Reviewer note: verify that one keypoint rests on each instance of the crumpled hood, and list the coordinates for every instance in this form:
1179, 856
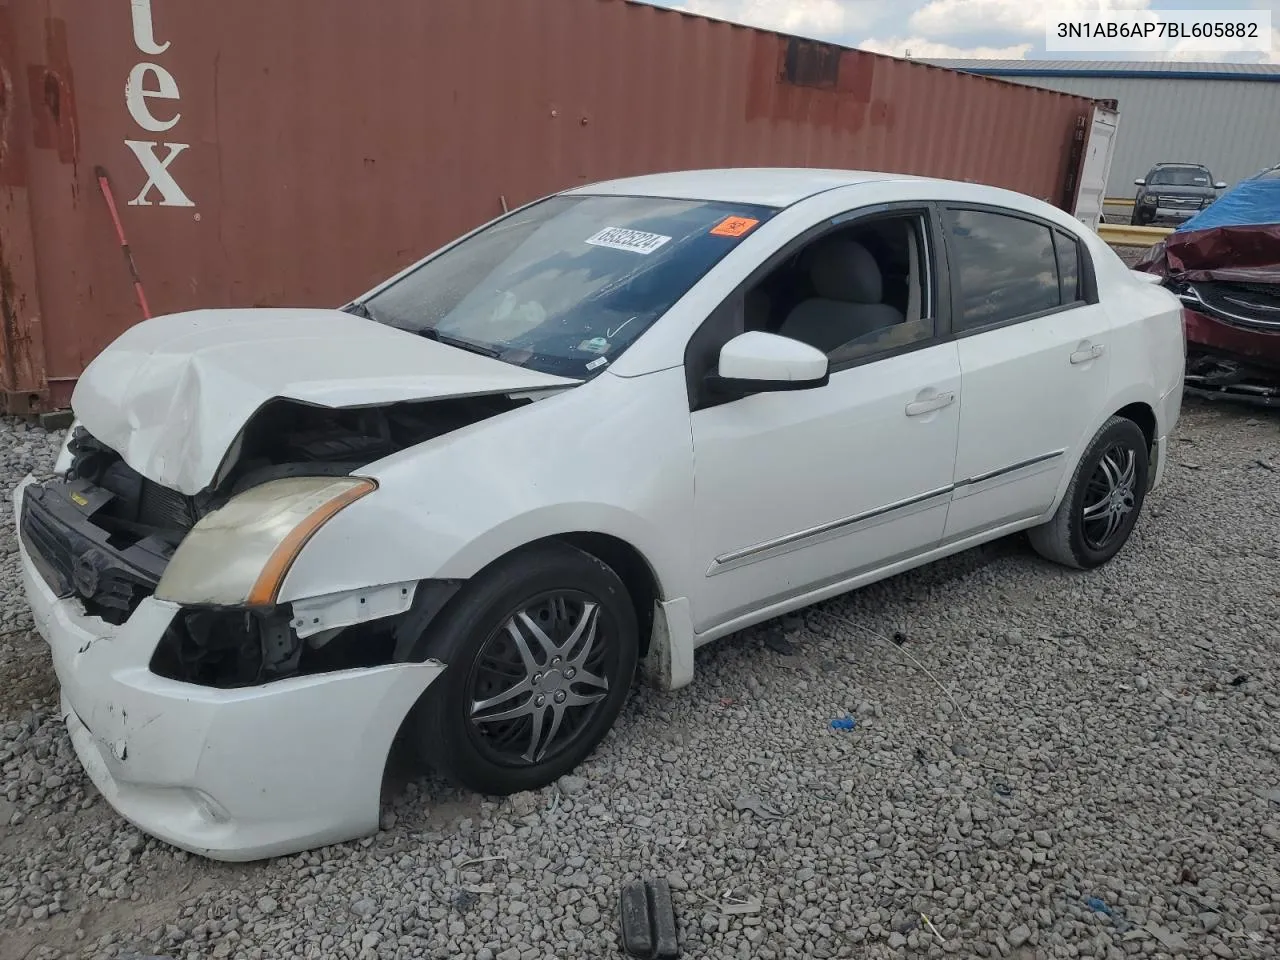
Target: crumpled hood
171, 394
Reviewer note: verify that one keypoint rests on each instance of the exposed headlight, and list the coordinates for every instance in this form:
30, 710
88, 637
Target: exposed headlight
1149, 200
240, 553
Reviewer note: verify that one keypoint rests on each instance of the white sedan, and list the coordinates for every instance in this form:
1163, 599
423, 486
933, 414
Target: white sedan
591, 436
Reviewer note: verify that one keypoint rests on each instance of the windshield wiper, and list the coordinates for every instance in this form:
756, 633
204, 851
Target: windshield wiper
431, 333
360, 309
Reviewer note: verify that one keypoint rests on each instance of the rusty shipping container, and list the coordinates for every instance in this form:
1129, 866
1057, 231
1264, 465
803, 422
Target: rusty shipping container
294, 152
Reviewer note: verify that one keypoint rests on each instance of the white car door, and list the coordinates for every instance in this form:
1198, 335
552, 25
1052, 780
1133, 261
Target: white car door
1034, 361
801, 489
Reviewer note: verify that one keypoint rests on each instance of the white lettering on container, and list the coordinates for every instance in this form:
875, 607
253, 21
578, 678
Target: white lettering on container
158, 174
136, 95
147, 82
144, 31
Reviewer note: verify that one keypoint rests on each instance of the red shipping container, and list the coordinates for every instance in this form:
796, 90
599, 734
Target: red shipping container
295, 152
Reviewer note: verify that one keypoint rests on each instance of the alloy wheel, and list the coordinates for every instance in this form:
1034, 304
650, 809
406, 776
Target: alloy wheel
1109, 496
540, 678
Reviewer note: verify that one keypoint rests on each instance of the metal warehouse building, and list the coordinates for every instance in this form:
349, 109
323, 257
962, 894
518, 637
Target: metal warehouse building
1224, 115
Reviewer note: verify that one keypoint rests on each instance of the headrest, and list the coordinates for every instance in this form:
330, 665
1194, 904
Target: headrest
846, 270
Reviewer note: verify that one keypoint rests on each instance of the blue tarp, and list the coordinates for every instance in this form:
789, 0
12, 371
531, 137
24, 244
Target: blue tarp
1248, 203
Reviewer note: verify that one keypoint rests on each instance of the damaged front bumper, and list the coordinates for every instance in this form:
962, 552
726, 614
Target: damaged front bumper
231, 774
1232, 354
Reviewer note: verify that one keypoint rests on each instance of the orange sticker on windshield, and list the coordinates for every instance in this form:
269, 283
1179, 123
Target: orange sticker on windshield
733, 227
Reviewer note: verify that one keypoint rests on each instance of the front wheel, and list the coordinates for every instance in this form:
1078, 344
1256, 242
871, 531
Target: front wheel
541, 650
1102, 504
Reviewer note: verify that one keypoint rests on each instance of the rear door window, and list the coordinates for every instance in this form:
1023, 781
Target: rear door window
1005, 268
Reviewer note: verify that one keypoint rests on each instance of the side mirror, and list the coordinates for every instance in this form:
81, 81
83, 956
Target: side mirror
1140, 182
759, 362
1219, 185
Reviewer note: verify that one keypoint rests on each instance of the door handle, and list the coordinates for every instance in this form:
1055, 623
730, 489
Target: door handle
918, 408
1084, 356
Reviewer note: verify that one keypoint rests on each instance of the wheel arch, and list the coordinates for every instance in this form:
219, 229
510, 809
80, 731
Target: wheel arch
663, 622
1135, 407
1144, 415
631, 565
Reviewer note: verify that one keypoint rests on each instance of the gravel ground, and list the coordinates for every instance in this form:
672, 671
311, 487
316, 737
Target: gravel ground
1102, 779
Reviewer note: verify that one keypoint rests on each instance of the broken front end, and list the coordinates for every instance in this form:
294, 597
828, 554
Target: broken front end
205, 709
108, 537
1233, 340
1224, 264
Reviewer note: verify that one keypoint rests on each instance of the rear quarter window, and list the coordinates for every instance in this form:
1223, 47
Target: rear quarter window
1068, 253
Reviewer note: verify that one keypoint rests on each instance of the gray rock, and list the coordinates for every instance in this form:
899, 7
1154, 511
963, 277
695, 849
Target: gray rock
1001, 838
523, 804
1170, 939
571, 785
1019, 935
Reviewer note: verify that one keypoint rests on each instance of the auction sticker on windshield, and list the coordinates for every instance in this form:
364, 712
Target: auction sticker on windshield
634, 241
733, 227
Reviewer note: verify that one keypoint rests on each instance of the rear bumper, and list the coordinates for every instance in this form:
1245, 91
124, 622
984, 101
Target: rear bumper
229, 774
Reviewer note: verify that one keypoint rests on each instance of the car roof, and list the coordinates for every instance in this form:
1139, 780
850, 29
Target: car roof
1180, 163
766, 186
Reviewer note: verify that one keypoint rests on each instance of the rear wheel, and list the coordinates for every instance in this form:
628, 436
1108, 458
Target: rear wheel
1103, 502
541, 650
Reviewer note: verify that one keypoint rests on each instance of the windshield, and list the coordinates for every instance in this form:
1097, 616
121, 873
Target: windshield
1179, 176
566, 285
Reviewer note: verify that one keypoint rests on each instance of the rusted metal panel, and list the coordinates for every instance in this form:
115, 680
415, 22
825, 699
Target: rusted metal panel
296, 152
22, 370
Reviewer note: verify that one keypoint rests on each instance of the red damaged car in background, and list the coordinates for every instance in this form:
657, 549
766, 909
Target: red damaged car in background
1224, 263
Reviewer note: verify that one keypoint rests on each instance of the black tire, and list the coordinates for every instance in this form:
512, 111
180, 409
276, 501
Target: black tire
472, 636
1073, 540
1136, 220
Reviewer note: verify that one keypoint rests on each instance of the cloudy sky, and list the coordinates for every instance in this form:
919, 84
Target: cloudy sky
955, 28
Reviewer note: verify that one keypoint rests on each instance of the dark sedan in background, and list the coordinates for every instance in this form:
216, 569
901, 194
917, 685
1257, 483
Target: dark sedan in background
1173, 192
